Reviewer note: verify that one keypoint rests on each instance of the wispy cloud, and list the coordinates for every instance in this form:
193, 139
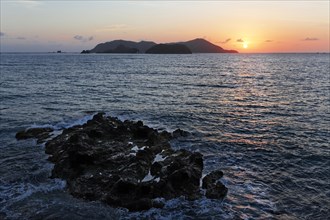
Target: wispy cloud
20, 38
268, 41
310, 39
240, 40
2, 34
83, 39
226, 41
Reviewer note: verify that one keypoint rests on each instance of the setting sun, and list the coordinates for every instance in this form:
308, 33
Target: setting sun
245, 45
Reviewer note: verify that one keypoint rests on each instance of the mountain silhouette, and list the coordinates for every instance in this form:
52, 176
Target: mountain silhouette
169, 49
200, 45
116, 46
197, 45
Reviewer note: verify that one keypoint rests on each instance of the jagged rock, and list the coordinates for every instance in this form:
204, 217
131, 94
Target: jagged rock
180, 133
218, 191
211, 178
39, 133
126, 164
214, 188
85, 51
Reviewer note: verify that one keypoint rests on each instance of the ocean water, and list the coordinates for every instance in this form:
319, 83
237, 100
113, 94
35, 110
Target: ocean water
261, 118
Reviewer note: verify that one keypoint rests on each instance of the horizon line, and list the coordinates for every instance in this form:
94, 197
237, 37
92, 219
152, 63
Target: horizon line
172, 54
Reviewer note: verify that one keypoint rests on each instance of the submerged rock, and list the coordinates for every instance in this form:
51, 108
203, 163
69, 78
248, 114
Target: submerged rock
126, 164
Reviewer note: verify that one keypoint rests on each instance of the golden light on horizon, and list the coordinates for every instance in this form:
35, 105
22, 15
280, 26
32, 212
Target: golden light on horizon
245, 45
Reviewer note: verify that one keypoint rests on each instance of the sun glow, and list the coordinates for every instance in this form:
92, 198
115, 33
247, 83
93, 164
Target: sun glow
245, 45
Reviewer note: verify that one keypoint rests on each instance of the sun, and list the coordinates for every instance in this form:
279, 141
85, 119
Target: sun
245, 45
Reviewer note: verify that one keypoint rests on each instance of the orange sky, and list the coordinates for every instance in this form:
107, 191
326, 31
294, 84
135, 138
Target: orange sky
272, 26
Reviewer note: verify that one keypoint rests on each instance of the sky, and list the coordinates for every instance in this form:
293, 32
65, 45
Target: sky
246, 26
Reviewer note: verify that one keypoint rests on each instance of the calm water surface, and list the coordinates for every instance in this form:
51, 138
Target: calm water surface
263, 119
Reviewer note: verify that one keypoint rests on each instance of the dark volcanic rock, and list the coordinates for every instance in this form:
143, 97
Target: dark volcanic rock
39, 133
180, 133
169, 49
214, 188
127, 164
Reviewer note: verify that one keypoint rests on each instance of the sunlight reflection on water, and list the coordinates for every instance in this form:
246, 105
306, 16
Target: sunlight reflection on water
261, 118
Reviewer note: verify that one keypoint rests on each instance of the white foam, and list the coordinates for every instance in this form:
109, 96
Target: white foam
135, 148
24, 190
80, 121
62, 125
42, 126
148, 177
159, 158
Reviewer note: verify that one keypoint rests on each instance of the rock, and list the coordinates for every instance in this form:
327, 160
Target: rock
39, 133
214, 188
180, 133
211, 178
218, 191
126, 164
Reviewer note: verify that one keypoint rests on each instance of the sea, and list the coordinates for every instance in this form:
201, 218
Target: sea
263, 119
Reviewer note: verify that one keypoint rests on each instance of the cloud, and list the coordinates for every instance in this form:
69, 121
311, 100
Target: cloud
2, 34
310, 39
268, 41
20, 38
78, 37
83, 39
226, 41
240, 40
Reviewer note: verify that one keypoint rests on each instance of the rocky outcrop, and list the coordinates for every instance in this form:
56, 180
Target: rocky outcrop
169, 49
39, 133
128, 164
214, 188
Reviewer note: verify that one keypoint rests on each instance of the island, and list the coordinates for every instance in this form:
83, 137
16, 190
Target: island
198, 45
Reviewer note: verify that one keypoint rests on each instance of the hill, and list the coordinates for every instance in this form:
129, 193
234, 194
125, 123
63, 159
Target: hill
200, 45
169, 49
117, 45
